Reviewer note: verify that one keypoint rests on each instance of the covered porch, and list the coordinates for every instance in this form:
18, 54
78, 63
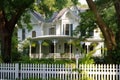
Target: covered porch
53, 46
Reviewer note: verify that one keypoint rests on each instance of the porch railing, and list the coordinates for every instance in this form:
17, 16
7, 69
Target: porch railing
55, 55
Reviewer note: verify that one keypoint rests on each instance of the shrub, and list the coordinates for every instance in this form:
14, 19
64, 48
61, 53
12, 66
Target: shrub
26, 59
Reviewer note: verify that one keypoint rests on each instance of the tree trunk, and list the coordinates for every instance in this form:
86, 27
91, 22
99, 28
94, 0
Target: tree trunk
6, 36
6, 45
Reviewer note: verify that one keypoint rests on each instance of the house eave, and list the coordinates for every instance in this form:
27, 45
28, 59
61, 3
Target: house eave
94, 40
52, 37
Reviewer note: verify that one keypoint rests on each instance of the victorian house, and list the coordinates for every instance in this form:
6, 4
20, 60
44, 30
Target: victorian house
53, 38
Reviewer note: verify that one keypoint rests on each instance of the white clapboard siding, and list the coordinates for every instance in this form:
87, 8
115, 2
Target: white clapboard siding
60, 71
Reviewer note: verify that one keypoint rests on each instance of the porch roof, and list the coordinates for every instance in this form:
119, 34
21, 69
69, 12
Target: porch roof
94, 40
52, 37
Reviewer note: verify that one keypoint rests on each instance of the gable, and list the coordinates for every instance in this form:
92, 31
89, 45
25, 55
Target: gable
69, 15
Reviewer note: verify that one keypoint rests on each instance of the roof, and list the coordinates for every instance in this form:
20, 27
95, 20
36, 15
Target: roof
55, 16
38, 16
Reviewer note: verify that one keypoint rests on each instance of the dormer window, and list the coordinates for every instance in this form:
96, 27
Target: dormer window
33, 33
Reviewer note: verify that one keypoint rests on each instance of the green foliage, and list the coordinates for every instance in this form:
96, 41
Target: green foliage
12, 6
26, 59
47, 7
87, 59
26, 19
103, 4
114, 54
45, 43
1, 61
15, 54
99, 60
87, 24
109, 18
26, 42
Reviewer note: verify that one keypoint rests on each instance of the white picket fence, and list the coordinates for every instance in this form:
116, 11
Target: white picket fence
59, 71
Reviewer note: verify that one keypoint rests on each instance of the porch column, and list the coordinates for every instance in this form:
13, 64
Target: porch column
54, 41
70, 50
30, 50
81, 43
70, 46
87, 44
40, 41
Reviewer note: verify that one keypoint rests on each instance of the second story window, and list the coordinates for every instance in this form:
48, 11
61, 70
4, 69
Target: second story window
52, 31
33, 33
23, 34
68, 29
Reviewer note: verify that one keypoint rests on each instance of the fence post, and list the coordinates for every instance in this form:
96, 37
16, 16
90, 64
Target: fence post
77, 58
16, 71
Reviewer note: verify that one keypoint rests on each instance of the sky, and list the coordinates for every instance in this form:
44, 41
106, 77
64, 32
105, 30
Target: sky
83, 1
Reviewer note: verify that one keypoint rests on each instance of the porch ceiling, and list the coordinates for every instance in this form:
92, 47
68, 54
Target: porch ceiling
52, 37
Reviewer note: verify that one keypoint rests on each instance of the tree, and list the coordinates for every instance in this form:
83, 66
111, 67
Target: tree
110, 38
10, 13
107, 32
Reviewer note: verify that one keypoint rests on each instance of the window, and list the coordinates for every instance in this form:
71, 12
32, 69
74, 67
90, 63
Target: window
23, 34
52, 31
33, 34
91, 33
68, 29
